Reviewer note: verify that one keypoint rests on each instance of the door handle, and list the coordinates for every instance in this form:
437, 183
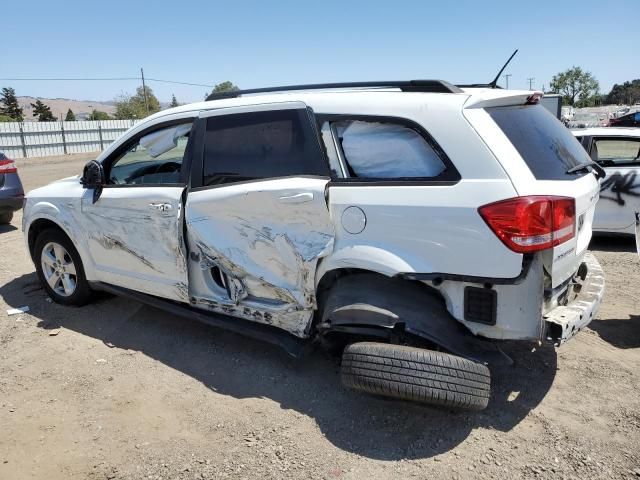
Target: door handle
163, 207
297, 198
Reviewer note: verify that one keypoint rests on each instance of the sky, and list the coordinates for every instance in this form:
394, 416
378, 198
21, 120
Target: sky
257, 44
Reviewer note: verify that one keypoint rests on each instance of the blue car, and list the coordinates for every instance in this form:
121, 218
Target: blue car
11, 192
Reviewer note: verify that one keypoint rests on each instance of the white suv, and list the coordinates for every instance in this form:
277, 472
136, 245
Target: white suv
407, 225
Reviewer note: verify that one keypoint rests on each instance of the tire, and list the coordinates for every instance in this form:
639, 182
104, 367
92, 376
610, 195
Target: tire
416, 374
5, 218
69, 269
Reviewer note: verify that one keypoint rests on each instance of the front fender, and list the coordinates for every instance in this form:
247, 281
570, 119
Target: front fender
63, 218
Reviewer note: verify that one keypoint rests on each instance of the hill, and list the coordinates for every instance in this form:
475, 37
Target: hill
59, 106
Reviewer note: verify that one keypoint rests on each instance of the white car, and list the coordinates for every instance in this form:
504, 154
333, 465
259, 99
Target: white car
409, 225
617, 150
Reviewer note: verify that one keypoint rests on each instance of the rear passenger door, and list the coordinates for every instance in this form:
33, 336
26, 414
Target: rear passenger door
620, 190
257, 217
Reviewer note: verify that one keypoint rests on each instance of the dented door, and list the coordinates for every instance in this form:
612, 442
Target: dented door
254, 249
134, 236
257, 218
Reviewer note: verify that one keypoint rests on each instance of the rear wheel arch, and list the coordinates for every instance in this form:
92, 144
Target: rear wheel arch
349, 299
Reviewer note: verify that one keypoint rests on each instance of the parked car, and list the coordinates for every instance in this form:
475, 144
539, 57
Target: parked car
409, 225
586, 120
11, 192
629, 120
617, 150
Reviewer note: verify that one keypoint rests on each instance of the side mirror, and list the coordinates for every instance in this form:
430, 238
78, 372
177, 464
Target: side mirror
93, 177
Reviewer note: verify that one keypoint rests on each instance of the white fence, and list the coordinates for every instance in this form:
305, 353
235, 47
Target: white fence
41, 139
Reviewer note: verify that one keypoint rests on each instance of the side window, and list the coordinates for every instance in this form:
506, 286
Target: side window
616, 151
386, 150
155, 158
256, 145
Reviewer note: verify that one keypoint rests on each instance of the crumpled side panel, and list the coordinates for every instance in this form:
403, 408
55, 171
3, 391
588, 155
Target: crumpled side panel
267, 248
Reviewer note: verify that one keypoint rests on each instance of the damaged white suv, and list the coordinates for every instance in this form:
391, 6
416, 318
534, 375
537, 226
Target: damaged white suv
408, 225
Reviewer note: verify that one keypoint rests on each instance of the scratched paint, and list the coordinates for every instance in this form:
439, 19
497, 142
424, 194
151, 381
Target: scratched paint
266, 247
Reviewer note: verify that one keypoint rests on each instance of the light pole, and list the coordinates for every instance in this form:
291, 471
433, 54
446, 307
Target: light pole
530, 80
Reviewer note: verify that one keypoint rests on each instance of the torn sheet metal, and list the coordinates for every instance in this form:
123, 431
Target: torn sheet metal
266, 237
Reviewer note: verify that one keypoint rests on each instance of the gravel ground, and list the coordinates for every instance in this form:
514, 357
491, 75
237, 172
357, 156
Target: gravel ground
121, 390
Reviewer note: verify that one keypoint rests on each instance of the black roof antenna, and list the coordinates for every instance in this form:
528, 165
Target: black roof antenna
494, 83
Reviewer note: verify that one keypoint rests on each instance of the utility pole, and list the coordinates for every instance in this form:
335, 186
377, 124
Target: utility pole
530, 80
144, 91
507, 79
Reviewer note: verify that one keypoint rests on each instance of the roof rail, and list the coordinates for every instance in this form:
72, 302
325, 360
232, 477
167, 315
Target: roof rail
433, 86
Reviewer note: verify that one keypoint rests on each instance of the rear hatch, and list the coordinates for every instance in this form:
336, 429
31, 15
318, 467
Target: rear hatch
541, 153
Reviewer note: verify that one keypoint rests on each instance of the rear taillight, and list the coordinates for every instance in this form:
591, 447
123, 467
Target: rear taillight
8, 166
534, 98
533, 223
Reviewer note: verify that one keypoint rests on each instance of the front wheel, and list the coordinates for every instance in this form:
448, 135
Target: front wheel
60, 270
416, 374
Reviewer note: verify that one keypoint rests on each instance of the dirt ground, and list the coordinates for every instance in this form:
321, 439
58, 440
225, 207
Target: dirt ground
118, 390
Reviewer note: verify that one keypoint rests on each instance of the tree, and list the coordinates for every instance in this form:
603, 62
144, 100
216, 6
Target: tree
627, 93
6, 118
226, 86
43, 112
71, 117
174, 102
98, 115
10, 107
574, 85
128, 106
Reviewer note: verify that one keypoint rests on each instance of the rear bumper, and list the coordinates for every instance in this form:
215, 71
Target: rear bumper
11, 204
563, 322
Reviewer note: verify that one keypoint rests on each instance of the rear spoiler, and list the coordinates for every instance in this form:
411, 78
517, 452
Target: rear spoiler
489, 97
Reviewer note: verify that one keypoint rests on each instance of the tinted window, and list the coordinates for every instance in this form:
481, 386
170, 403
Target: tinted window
547, 146
616, 151
249, 146
386, 150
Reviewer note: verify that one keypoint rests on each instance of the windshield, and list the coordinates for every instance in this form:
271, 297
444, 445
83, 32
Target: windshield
545, 144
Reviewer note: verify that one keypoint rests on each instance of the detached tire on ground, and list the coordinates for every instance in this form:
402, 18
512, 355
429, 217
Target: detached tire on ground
416, 374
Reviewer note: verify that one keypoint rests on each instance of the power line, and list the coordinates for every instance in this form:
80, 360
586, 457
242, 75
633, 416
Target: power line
67, 79
180, 83
531, 80
112, 79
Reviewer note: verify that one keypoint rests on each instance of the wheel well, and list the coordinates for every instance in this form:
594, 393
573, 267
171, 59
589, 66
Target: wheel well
389, 309
36, 228
329, 279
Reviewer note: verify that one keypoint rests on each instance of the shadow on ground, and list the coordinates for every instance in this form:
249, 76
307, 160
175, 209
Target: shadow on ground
613, 243
619, 333
362, 424
7, 227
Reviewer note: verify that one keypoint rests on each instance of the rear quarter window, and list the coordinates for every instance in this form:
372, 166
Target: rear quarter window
545, 144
